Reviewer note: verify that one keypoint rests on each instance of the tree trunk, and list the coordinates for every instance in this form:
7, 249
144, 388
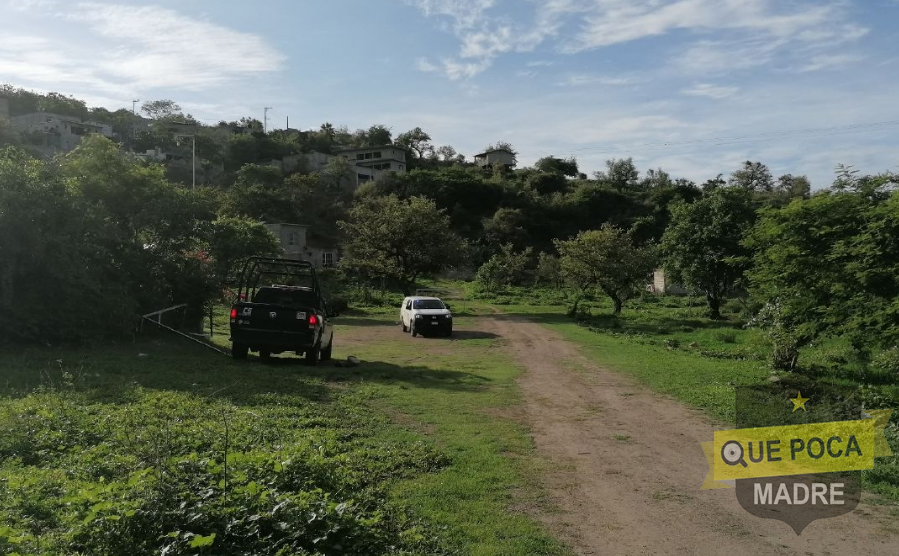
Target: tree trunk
714, 306
618, 303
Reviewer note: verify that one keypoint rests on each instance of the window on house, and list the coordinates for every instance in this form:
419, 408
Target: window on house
377, 155
360, 156
327, 258
401, 166
291, 238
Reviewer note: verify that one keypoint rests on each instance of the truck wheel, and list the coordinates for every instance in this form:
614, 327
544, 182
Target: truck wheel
449, 332
326, 353
313, 355
265, 355
412, 328
239, 351
405, 328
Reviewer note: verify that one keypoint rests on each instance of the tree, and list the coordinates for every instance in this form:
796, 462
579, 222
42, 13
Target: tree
702, 247
505, 268
830, 263
392, 238
233, 240
417, 141
607, 259
379, 135
656, 179
549, 270
552, 165
160, 109
338, 169
715, 183
793, 187
753, 176
620, 174
447, 153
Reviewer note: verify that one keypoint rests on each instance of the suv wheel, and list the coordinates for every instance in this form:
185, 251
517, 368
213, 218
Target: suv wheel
326, 353
414, 331
405, 328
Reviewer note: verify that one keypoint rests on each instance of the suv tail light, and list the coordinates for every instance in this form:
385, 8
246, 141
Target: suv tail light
313, 320
233, 313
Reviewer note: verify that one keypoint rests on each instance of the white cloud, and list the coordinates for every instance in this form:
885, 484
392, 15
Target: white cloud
710, 91
577, 80
546, 63
830, 61
120, 50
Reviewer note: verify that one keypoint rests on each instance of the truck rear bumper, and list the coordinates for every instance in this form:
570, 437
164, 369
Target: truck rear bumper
273, 340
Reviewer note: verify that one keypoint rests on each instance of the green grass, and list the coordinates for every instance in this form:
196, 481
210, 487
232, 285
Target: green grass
140, 447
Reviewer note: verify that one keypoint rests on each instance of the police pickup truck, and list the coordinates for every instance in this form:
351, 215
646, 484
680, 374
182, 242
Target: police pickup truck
281, 317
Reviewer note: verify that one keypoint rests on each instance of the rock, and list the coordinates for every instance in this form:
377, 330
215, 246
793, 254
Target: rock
352, 361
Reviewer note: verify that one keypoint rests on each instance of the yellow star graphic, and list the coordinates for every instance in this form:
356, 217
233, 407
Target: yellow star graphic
799, 401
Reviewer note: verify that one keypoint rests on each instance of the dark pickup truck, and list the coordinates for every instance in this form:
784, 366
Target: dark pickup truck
280, 318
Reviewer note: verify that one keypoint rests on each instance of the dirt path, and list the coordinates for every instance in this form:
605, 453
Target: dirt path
628, 466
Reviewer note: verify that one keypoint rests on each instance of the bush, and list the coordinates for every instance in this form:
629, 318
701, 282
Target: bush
726, 336
888, 361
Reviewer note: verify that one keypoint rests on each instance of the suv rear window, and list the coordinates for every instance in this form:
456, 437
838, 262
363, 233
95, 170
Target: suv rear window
427, 304
285, 297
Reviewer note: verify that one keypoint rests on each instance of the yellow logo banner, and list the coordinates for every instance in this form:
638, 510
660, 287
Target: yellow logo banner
796, 449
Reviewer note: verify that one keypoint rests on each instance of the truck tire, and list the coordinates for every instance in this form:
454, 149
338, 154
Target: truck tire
326, 353
239, 351
449, 332
313, 355
414, 331
405, 328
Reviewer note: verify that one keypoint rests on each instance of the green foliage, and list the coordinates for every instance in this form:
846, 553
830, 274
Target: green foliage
553, 165
607, 259
832, 263
702, 247
402, 240
888, 361
620, 174
506, 268
753, 176
234, 239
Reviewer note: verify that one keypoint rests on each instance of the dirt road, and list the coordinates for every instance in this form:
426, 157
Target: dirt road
628, 466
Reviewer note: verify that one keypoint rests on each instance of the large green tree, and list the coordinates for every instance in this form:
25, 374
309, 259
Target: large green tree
702, 247
387, 237
607, 259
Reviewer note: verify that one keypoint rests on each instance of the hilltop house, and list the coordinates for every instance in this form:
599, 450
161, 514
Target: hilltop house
372, 162
496, 156
56, 133
295, 245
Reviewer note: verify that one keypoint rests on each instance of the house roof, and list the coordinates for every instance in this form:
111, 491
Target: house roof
366, 163
485, 153
285, 224
354, 149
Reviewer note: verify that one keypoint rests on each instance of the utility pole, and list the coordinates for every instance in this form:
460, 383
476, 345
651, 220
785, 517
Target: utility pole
133, 104
265, 119
194, 157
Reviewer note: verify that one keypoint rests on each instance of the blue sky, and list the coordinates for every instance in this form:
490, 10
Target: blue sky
692, 86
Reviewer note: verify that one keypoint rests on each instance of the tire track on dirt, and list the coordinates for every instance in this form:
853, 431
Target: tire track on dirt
627, 466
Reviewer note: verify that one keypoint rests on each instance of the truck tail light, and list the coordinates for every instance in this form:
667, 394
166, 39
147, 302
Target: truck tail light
233, 313
313, 320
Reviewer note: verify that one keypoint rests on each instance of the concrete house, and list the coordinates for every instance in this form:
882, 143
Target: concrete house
295, 245
660, 284
57, 133
372, 162
491, 157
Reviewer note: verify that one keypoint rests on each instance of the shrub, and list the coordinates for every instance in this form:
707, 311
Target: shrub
888, 361
726, 336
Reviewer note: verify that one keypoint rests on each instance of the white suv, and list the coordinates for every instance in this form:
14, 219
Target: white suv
426, 315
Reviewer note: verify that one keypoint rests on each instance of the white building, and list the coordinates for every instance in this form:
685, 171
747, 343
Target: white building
372, 162
496, 156
295, 245
57, 133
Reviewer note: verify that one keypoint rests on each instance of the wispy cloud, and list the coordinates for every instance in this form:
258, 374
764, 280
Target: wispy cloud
710, 91
830, 61
733, 34
580, 79
123, 48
